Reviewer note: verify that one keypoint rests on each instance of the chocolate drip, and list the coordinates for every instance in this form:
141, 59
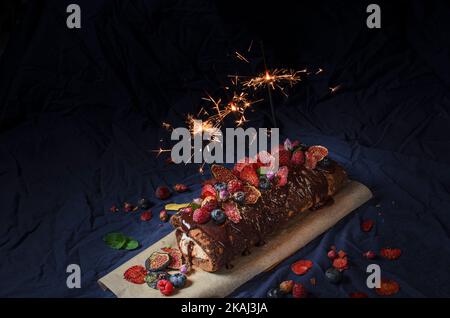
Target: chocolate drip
305, 189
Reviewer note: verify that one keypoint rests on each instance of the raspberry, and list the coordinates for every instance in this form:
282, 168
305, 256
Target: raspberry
146, 216
282, 176
299, 291
162, 193
249, 175
391, 253
208, 190
367, 225
298, 157
234, 185
201, 215
165, 287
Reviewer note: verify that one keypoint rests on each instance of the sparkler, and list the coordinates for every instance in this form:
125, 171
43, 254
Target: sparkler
276, 79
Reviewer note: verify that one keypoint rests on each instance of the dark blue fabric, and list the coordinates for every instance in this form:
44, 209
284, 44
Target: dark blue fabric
81, 112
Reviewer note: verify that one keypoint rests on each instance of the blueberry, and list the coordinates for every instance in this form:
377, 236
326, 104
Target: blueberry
144, 204
239, 197
178, 280
264, 183
218, 216
220, 186
274, 293
333, 275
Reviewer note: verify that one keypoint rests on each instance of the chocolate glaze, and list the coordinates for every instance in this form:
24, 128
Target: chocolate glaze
305, 189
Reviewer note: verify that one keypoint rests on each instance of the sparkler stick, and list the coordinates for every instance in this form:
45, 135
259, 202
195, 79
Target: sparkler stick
272, 109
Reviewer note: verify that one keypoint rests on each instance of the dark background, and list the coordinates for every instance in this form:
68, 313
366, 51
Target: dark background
81, 112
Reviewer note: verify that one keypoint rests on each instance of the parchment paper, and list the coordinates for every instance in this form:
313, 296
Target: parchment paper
285, 242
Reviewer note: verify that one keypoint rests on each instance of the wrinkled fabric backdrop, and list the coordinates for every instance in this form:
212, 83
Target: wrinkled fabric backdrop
81, 112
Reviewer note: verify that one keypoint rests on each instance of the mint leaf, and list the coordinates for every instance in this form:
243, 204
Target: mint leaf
115, 240
131, 244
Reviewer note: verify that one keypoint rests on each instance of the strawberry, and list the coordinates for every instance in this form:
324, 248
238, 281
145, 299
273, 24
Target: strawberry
201, 216
208, 190
234, 185
282, 176
162, 193
249, 175
298, 157
231, 210
314, 154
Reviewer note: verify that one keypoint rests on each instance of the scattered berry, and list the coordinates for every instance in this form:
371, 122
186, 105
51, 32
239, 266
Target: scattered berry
144, 204
370, 255
128, 207
114, 208
218, 216
165, 287
340, 263
201, 215
238, 197
286, 286
388, 287
301, 267
333, 275
163, 193
178, 280
274, 293
298, 157
135, 274
234, 186
299, 291
208, 191
332, 254
179, 187
391, 253
146, 216
221, 186
367, 225
163, 216
264, 183
209, 203
282, 176
249, 175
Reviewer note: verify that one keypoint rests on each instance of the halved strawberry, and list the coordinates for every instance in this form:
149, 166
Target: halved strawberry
301, 267
388, 287
282, 176
249, 175
231, 211
208, 190
314, 154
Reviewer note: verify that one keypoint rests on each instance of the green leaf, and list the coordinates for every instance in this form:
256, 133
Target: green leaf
115, 240
194, 206
131, 244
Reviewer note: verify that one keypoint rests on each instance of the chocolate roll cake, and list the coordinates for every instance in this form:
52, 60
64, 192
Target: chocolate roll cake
239, 211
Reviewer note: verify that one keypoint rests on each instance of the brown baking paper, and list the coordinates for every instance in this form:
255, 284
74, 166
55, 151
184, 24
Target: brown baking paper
282, 244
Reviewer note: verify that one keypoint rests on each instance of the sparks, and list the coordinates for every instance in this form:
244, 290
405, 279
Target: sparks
335, 88
278, 78
160, 151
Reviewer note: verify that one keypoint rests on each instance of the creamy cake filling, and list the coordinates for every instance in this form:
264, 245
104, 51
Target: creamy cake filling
197, 251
